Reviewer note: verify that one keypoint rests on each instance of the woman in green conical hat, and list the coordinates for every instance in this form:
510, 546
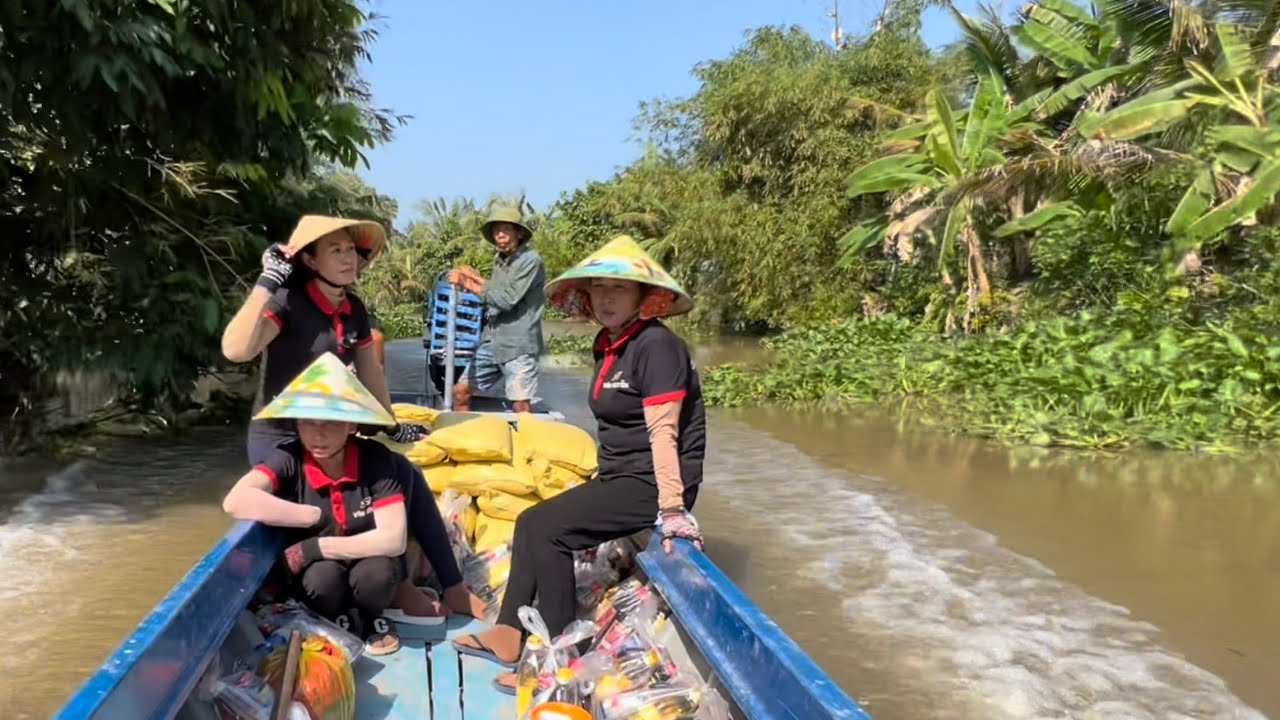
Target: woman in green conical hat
344, 500
651, 423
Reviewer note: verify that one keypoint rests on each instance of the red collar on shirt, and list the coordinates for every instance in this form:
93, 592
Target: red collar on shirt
604, 345
316, 476
610, 350
322, 302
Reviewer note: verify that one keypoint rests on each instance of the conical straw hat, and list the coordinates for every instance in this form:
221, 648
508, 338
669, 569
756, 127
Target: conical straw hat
367, 235
327, 390
622, 259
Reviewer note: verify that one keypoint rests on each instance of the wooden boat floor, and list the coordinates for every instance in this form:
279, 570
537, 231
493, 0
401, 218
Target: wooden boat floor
395, 686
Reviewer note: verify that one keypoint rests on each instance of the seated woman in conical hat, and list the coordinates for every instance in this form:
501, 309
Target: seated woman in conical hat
301, 307
651, 422
341, 498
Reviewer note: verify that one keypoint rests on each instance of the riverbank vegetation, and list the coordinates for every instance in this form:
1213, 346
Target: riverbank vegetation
1059, 230
148, 151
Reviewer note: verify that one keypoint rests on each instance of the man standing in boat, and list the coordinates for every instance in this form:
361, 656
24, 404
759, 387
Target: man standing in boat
513, 300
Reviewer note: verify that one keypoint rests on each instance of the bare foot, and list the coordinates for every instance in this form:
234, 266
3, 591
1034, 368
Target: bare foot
418, 602
464, 602
506, 679
503, 640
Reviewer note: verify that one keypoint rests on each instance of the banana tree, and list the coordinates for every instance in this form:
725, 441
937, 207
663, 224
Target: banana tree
930, 163
1238, 166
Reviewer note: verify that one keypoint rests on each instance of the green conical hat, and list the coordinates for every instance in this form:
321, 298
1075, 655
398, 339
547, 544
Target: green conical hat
327, 390
507, 215
623, 259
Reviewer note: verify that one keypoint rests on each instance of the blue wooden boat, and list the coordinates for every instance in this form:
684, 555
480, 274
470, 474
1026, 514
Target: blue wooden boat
204, 622
154, 673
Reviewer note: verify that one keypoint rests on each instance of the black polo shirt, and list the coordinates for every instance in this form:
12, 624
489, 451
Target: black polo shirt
647, 365
310, 326
369, 480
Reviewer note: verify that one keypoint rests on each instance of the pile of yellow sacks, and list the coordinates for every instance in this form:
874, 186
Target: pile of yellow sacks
503, 470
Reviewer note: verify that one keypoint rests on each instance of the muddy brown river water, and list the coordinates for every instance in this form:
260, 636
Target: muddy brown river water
931, 576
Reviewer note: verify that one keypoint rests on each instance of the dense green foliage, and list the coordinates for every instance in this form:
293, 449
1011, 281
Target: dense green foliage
1057, 231
148, 150
1053, 232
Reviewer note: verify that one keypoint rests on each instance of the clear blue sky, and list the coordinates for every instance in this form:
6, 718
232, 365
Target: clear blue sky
540, 96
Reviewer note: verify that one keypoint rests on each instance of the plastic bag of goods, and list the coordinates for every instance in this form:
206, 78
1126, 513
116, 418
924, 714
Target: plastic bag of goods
283, 618
485, 574
673, 700
476, 478
631, 671
561, 444
492, 532
416, 414
593, 575
545, 672
243, 696
326, 686
505, 506
484, 438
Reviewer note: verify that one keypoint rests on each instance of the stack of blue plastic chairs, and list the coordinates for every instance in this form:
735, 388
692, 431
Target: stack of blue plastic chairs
467, 326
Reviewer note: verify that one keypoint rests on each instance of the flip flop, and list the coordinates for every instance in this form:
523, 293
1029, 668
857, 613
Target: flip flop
481, 651
378, 635
504, 688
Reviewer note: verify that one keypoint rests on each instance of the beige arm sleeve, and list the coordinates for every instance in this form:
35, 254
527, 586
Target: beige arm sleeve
663, 422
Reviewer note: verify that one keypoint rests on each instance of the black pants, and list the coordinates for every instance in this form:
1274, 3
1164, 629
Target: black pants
425, 524
548, 533
330, 587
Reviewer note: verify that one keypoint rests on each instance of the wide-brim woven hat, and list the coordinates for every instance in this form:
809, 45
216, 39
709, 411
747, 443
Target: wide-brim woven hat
369, 236
327, 390
621, 259
507, 215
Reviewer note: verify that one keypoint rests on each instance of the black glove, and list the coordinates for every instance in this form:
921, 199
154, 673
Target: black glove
275, 268
406, 432
299, 556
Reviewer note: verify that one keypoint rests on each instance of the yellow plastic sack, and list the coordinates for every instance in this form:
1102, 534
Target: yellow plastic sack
505, 506
552, 479
492, 532
417, 414
474, 478
482, 438
421, 453
439, 477
469, 517
562, 444
424, 454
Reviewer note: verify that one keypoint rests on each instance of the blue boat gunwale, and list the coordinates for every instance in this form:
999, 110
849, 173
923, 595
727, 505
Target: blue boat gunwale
729, 629
161, 629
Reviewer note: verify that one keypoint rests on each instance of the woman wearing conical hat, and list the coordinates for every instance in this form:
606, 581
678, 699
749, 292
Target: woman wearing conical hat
300, 308
651, 423
340, 497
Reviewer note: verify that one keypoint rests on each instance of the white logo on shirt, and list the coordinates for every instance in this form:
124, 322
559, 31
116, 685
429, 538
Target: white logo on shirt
366, 507
616, 382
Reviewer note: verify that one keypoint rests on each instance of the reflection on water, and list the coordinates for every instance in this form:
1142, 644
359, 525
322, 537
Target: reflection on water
933, 577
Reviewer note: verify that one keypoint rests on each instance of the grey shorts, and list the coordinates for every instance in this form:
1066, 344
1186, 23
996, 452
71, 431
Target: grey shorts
520, 374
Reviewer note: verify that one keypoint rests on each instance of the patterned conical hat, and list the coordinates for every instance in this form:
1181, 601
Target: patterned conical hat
622, 259
327, 390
